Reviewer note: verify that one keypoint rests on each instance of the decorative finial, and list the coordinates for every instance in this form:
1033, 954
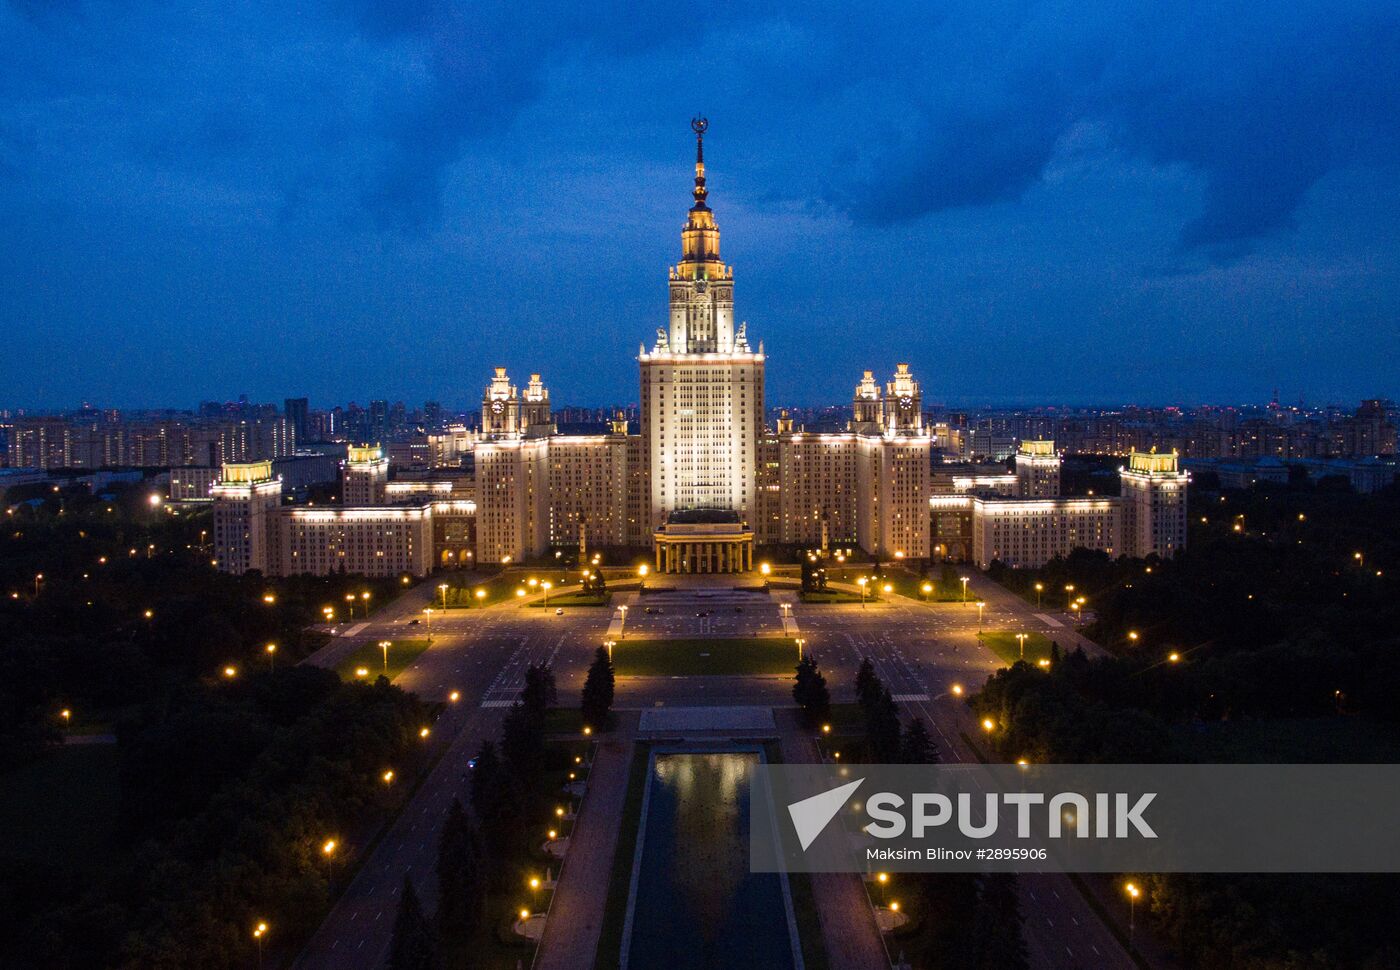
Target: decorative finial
699, 124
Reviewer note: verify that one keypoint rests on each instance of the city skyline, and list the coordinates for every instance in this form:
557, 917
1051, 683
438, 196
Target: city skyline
1092, 240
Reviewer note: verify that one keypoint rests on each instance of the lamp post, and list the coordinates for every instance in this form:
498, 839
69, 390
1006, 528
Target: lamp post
328, 851
384, 645
1039, 588
980, 605
364, 598
862, 583
801, 642
428, 612
271, 650
258, 932
963, 580
1133, 893
622, 624
1021, 639
442, 588
546, 586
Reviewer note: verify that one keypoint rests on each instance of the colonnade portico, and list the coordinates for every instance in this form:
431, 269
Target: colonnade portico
704, 555
704, 541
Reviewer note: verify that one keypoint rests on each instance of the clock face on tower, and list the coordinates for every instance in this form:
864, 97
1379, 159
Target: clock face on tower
905, 403
498, 406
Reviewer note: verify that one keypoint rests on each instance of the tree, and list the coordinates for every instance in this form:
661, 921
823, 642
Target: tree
460, 889
882, 727
598, 690
412, 946
916, 747
997, 943
522, 740
810, 693
867, 683
539, 693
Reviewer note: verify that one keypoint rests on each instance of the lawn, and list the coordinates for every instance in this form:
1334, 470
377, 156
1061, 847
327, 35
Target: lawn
62, 808
575, 597
834, 596
370, 657
687, 658
1003, 643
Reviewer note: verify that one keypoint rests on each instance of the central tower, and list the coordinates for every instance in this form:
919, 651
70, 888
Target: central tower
702, 387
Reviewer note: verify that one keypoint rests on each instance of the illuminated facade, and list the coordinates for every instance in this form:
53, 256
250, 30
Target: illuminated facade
1026, 533
1037, 470
701, 383
247, 500
364, 477
1037, 524
704, 481
1154, 505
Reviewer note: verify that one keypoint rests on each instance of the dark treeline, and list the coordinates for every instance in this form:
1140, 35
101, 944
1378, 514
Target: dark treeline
228, 786
129, 609
1284, 606
960, 919
228, 797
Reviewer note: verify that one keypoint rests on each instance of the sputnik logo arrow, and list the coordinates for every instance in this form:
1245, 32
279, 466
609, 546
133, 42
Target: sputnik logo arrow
811, 815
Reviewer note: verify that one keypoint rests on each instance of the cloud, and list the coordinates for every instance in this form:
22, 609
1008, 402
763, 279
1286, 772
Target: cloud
1260, 101
926, 108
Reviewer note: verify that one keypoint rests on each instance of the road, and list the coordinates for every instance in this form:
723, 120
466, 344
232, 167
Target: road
920, 650
483, 655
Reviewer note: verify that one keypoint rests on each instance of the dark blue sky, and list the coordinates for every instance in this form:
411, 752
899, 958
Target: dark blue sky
1060, 202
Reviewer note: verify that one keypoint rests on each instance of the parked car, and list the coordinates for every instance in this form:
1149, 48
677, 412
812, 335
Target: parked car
559, 611
414, 622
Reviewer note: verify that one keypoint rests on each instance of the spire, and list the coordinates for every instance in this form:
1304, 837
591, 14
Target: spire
700, 237
699, 124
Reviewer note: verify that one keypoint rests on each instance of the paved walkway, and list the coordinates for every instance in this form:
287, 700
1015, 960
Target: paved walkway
849, 932
576, 915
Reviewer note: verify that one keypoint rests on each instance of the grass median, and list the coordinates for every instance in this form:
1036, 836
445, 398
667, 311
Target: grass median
701, 657
1004, 644
369, 657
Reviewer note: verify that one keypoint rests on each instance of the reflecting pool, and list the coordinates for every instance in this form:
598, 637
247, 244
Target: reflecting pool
695, 904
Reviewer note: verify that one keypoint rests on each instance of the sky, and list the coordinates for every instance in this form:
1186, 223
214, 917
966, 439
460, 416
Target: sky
1074, 202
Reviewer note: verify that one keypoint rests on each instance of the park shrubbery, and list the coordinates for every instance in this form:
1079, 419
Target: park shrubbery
227, 798
1284, 606
228, 785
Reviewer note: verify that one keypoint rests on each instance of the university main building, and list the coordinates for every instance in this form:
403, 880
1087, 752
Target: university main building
703, 482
